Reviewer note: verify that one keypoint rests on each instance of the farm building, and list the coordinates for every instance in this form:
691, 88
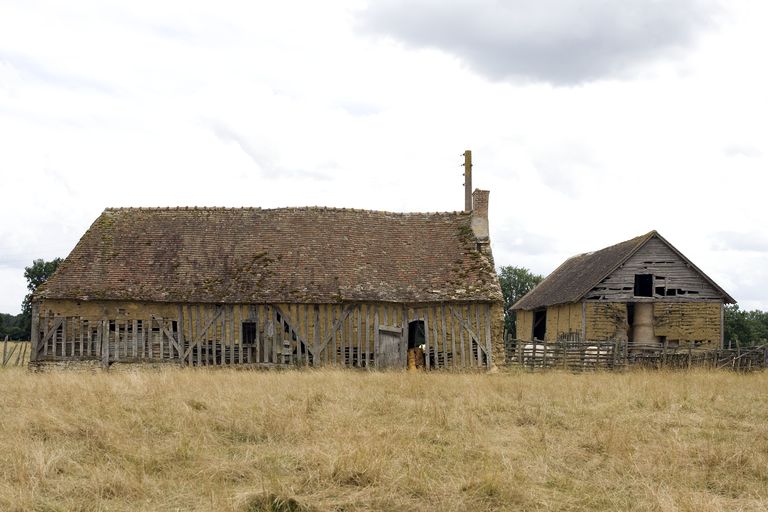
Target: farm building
287, 286
642, 291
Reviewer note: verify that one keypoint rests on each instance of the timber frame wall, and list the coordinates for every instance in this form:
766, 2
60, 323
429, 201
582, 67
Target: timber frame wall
457, 335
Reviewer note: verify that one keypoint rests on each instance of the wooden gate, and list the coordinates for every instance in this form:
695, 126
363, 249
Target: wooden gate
390, 347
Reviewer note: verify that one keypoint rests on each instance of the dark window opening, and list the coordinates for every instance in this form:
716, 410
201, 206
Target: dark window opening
643, 285
659, 290
249, 333
415, 334
174, 326
539, 324
671, 292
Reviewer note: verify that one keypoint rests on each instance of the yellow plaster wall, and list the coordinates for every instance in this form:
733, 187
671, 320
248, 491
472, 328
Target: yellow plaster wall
524, 325
688, 321
606, 321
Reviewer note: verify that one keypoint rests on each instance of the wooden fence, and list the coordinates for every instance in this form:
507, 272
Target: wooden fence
14, 353
612, 355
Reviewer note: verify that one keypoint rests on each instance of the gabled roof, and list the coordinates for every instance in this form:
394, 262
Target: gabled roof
572, 280
283, 255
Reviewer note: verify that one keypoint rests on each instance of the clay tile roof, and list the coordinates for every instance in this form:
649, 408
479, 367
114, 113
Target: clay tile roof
577, 275
284, 255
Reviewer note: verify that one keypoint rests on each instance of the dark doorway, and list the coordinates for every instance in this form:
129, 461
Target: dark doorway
643, 285
249, 333
539, 324
630, 321
415, 334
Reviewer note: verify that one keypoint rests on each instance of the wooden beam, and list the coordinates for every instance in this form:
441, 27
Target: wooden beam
488, 343
467, 328
202, 333
35, 334
334, 327
426, 337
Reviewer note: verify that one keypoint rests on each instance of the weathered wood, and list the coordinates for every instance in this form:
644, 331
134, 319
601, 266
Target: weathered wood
426, 338
469, 330
488, 341
404, 343
105, 343
35, 334
445, 335
335, 324
202, 332
435, 337
453, 341
368, 336
461, 339
376, 335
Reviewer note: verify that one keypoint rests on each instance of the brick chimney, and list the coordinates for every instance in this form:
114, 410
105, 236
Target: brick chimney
480, 213
479, 219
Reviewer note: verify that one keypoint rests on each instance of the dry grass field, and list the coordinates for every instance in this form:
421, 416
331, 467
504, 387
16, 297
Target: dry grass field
164, 440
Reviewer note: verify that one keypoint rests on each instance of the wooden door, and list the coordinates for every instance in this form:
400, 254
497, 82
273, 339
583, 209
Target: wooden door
390, 347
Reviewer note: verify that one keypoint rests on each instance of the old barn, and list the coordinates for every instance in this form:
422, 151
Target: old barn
642, 291
276, 287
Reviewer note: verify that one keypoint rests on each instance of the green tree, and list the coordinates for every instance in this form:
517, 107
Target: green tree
36, 274
515, 282
745, 327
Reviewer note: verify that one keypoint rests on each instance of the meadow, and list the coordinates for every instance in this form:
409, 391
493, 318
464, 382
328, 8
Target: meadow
188, 439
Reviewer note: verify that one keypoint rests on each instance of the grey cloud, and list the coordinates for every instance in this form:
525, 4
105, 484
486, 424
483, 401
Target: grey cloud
562, 42
267, 166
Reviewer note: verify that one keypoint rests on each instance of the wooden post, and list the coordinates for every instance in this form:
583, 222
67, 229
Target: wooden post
368, 336
105, 344
468, 181
445, 334
488, 341
5, 348
426, 338
376, 335
35, 334
316, 337
453, 340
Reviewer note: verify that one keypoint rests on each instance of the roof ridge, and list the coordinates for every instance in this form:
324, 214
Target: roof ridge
277, 209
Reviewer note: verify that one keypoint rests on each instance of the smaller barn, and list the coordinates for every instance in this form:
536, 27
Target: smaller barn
642, 291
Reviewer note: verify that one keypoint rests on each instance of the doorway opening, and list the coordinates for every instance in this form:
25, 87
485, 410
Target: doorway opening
539, 324
416, 342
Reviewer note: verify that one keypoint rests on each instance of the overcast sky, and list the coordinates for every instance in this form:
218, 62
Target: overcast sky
591, 122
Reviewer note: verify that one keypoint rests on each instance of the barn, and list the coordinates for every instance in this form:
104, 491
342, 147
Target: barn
275, 287
643, 292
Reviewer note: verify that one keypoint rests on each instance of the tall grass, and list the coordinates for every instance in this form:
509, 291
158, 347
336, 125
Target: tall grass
342, 440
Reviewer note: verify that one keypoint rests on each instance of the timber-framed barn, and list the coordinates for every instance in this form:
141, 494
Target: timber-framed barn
643, 292
275, 287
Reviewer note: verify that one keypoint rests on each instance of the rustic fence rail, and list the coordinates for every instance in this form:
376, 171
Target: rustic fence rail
14, 353
615, 355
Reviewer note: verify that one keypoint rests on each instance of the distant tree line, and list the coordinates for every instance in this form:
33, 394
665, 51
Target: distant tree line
19, 327
745, 327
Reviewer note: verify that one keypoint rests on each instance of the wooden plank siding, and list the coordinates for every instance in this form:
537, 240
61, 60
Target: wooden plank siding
343, 335
670, 272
